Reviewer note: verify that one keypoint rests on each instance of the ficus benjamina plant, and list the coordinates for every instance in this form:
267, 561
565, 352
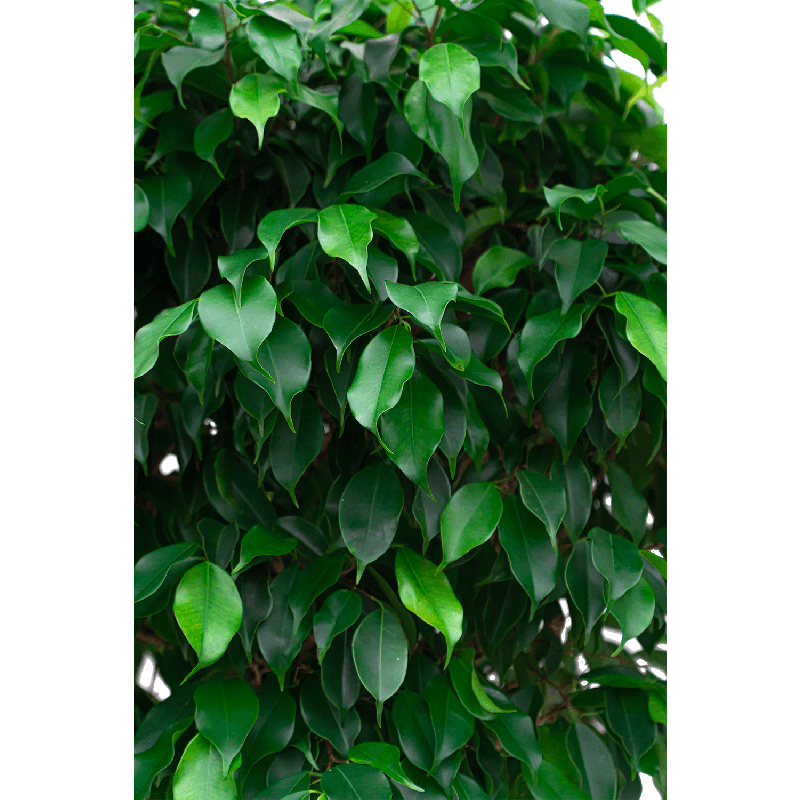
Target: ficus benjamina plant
400, 331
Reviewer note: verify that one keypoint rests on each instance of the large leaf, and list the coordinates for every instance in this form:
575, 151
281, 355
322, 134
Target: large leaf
412, 720
428, 594
574, 478
257, 98
382, 756
208, 609
200, 774
571, 15
381, 655
498, 266
646, 329
617, 560
379, 172
542, 333
316, 578
385, 365
369, 509
167, 195
340, 680
652, 238
594, 762
544, 498
325, 719
427, 508
240, 327
224, 714
151, 570
210, 133
627, 716
627, 505
585, 585
413, 429
344, 232
515, 732
451, 74
453, 725
634, 611
469, 519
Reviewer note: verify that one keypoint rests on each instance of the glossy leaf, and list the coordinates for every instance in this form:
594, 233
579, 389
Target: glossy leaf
151, 570
224, 714
141, 209
627, 505
578, 266
325, 720
344, 232
585, 584
210, 134
617, 560
426, 302
530, 550
293, 451
271, 229
277, 44
241, 328
208, 609
260, 543
234, 266
627, 716
652, 238
634, 611
369, 509
381, 655
382, 756
355, 782
469, 519
340, 680
427, 508
200, 774
388, 166
542, 333
180, 61
274, 726
412, 721
544, 498
594, 762
345, 323
257, 98
646, 329
167, 195
339, 612
413, 429
428, 594
453, 725
451, 74
385, 365
399, 232
560, 194
316, 578
574, 478
515, 732
498, 266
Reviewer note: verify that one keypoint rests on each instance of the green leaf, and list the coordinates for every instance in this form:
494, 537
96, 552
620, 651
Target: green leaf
369, 510
271, 229
468, 687
469, 519
200, 774
382, 756
646, 329
585, 585
571, 15
225, 712
574, 478
208, 609
316, 578
453, 725
578, 266
620, 402
339, 676
617, 560
180, 61
544, 498
141, 209
627, 505
385, 365
277, 637
652, 238
381, 655
594, 762
427, 508
628, 717
412, 720
241, 328
167, 195
257, 98
339, 611
379, 172
516, 734
219, 540
344, 232
634, 611
498, 266
327, 103
542, 333
559, 194
152, 569
552, 784
325, 719
210, 133
144, 409
345, 323
291, 452
286, 355
531, 554
428, 594
260, 543
234, 266
355, 782
398, 18
481, 306
413, 429
426, 302
451, 74
399, 232
170, 322
276, 42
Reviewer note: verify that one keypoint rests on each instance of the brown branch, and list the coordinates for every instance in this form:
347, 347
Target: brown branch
228, 65
432, 29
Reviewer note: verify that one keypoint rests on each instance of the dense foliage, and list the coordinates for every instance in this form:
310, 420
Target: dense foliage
400, 317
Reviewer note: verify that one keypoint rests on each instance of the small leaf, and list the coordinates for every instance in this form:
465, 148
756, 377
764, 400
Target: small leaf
276, 223
634, 611
256, 97
210, 134
498, 266
426, 302
559, 194
200, 774
646, 329
317, 577
167, 195
451, 74
544, 498
469, 519
594, 762
585, 585
344, 232
453, 725
260, 543
542, 333
180, 61
517, 736
339, 611
151, 570
382, 756
234, 266
388, 166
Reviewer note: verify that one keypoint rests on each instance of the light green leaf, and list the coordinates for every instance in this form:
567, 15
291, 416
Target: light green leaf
426, 302
224, 714
451, 74
344, 232
381, 655
385, 365
276, 223
200, 774
209, 611
180, 61
260, 543
646, 329
544, 498
256, 97
241, 328
469, 519
171, 322
385, 757
428, 594
578, 266
498, 266
398, 18
652, 238
276, 42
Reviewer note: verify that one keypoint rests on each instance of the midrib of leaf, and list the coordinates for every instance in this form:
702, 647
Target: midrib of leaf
380, 654
206, 609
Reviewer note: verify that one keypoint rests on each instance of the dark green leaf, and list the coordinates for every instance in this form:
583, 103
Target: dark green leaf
585, 585
544, 498
469, 519
339, 611
355, 782
180, 61
325, 719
